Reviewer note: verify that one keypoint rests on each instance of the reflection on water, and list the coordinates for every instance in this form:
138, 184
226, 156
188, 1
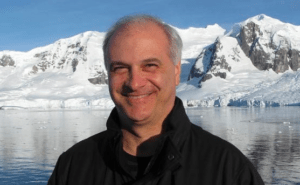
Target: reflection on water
269, 137
31, 141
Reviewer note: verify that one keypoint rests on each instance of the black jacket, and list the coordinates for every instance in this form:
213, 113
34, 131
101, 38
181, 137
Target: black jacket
186, 155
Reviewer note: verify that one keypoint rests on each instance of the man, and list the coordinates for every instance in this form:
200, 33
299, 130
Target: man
149, 138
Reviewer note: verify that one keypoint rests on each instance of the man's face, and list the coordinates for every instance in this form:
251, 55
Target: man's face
142, 76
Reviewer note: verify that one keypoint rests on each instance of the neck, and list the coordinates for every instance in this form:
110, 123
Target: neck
140, 137
140, 140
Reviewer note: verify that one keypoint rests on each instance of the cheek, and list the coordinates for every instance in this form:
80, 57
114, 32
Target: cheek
160, 81
169, 76
156, 80
115, 83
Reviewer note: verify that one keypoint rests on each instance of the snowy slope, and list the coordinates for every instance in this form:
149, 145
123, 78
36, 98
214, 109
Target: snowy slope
225, 74
70, 73
195, 39
282, 91
216, 69
282, 33
57, 75
270, 43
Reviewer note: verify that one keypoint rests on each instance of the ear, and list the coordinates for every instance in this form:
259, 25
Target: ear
177, 72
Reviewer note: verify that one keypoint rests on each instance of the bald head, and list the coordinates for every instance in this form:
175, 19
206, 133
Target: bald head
142, 22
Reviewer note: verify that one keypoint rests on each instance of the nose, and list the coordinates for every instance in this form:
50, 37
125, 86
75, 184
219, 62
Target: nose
136, 79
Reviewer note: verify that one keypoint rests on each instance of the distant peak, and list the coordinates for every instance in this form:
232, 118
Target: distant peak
213, 26
261, 17
264, 18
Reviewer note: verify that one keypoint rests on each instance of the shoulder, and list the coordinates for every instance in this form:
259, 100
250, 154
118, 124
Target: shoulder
81, 158
86, 150
92, 144
77, 162
216, 147
211, 142
215, 150
221, 156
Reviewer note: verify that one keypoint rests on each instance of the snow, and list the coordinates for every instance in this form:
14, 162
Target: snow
273, 29
195, 39
58, 87
245, 85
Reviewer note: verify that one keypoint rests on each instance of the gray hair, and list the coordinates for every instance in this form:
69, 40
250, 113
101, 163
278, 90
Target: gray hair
175, 41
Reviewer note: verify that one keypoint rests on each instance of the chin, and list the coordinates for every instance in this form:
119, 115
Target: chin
137, 116
137, 110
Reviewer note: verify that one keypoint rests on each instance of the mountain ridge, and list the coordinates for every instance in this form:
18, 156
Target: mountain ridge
265, 51
70, 73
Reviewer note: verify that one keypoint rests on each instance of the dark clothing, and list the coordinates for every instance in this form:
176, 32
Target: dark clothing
185, 155
134, 165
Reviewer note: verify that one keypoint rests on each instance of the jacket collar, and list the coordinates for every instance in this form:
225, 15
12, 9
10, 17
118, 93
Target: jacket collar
175, 130
176, 125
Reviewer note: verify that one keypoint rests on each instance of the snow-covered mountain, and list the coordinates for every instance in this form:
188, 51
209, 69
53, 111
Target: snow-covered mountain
67, 73
254, 64
255, 51
267, 42
70, 73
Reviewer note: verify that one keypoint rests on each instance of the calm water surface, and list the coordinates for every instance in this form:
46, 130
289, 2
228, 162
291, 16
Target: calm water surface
31, 141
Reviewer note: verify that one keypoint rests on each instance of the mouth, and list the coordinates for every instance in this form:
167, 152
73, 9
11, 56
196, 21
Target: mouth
138, 96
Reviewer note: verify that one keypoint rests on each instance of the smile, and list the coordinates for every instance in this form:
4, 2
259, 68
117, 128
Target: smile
138, 96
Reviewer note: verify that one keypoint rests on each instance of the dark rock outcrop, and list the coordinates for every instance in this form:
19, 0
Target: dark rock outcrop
101, 79
249, 42
74, 64
206, 77
212, 62
206, 56
285, 56
45, 62
6, 60
294, 56
69, 57
57, 60
281, 62
34, 69
220, 74
269, 47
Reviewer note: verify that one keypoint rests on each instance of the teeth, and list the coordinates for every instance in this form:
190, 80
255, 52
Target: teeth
136, 97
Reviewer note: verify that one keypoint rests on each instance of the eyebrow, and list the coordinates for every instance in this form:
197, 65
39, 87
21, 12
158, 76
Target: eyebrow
112, 63
117, 63
152, 60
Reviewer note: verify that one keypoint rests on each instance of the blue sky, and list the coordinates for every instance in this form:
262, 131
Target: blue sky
26, 24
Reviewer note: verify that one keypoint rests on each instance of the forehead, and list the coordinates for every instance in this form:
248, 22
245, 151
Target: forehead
139, 29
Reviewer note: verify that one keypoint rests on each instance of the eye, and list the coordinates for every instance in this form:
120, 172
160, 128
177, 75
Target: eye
151, 66
118, 69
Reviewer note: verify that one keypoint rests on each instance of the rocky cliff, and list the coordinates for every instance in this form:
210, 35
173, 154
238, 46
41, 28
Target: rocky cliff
213, 63
6, 60
269, 43
72, 55
268, 49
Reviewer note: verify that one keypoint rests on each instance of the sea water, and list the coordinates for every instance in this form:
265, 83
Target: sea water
31, 141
